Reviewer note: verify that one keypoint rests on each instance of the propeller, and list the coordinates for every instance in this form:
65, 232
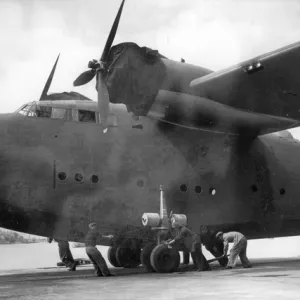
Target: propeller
49, 80
100, 68
85, 77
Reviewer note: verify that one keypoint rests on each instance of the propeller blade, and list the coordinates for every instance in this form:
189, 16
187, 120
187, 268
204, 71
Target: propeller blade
112, 34
103, 99
49, 80
84, 77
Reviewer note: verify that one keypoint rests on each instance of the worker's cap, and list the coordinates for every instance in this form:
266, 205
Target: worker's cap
219, 234
92, 225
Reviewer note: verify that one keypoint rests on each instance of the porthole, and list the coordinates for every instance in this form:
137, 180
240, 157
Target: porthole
78, 177
198, 189
62, 176
282, 191
94, 179
183, 188
212, 191
254, 188
140, 183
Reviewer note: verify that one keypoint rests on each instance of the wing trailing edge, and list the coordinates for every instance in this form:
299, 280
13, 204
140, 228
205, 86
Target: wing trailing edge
268, 84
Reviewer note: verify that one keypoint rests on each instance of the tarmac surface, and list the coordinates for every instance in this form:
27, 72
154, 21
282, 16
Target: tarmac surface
268, 279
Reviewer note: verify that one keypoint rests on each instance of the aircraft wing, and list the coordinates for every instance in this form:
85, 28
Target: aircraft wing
268, 84
200, 113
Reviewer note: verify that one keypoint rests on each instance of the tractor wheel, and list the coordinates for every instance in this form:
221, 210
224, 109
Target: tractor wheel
217, 250
164, 260
145, 257
111, 255
128, 254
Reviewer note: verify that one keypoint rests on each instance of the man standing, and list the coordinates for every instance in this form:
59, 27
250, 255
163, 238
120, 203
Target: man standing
93, 253
65, 254
192, 242
186, 252
239, 248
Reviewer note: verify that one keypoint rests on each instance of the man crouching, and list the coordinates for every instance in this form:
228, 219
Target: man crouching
94, 254
239, 248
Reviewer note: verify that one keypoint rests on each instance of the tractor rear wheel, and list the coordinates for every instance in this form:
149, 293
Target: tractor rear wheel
128, 254
111, 255
145, 257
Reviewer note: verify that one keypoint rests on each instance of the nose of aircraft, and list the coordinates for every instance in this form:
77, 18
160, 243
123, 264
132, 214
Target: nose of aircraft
9, 126
10, 150
7, 130
5, 120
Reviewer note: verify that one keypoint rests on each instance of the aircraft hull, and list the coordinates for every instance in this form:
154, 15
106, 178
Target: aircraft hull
255, 180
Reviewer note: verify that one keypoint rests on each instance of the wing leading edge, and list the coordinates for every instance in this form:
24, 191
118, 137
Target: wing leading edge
198, 113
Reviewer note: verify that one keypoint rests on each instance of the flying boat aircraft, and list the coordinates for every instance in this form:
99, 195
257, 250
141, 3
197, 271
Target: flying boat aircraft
207, 137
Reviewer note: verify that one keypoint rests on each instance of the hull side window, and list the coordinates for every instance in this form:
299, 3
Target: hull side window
86, 116
43, 111
58, 113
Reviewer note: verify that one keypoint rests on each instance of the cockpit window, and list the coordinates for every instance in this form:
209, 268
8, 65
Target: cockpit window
43, 111
86, 116
23, 111
27, 110
58, 113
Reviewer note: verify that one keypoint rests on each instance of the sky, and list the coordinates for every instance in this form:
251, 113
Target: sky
210, 33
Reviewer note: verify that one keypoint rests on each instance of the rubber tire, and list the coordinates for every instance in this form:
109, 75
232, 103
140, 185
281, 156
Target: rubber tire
219, 246
128, 257
145, 257
217, 251
111, 255
158, 256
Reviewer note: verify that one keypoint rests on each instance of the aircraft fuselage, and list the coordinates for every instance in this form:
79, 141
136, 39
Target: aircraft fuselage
254, 180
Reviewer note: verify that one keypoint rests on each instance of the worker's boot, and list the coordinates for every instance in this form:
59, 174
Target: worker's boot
98, 273
228, 268
73, 267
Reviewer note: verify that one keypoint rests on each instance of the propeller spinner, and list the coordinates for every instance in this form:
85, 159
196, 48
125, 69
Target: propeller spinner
100, 68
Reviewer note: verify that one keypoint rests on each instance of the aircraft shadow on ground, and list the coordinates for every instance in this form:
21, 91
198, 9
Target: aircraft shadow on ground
260, 269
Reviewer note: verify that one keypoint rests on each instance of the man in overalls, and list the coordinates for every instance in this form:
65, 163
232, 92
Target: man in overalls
93, 253
239, 248
186, 252
65, 254
192, 242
